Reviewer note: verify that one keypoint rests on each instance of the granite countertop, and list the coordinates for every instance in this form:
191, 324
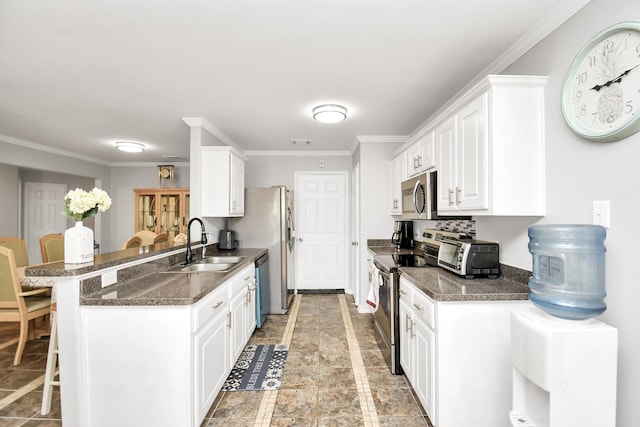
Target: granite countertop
147, 285
441, 285
102, 261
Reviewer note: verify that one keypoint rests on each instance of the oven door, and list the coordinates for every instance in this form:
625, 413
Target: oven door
386, 318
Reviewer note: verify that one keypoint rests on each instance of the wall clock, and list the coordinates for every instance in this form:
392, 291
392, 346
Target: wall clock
601, 92
165, 176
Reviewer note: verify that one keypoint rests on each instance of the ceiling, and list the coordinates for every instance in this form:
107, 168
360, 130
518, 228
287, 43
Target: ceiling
77, 76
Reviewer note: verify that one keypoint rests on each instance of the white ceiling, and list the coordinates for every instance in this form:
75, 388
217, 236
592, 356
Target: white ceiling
79, 75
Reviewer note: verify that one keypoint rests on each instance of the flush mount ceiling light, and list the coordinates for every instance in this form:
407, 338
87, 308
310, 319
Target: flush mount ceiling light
329, 113
130, 147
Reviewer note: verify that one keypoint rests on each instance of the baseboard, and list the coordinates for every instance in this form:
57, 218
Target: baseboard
320, 291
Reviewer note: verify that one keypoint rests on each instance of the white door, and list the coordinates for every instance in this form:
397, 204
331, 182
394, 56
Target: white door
321, 215
43, 214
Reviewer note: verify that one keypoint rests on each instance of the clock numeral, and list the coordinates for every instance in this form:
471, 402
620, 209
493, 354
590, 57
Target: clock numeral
593, 60
595, 116
583, 110
609, 47
578, 95
628, 108
582, 77
638, 50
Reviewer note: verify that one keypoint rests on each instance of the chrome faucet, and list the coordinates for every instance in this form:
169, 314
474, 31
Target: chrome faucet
188, 257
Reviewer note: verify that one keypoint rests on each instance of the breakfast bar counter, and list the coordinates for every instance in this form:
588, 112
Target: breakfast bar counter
136, 321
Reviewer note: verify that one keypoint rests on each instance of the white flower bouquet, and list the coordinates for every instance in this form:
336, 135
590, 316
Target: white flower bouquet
80, 204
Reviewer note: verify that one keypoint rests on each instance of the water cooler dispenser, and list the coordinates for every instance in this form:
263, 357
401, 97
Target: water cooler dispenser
564, 361
564, 371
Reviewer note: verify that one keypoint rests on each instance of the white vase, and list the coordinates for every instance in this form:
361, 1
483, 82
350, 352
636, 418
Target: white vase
78, 244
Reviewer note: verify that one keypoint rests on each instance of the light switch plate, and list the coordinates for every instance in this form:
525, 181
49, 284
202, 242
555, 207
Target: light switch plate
601, 213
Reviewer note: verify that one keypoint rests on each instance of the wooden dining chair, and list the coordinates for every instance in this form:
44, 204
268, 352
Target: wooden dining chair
19, 249
17, 305
146, 237
133, 242
161, 238
52, 247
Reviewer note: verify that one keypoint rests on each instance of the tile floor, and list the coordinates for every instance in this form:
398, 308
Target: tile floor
335, 375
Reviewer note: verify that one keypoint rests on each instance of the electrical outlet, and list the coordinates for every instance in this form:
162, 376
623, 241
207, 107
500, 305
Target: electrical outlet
109, 278
601, 213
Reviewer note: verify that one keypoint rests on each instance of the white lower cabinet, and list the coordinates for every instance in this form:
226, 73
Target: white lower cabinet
222, 330
211, 362
457, 357
417, 347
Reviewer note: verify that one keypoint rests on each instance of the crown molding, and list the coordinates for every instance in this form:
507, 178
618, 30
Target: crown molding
209, 127
146, 164
297, 153
51, 150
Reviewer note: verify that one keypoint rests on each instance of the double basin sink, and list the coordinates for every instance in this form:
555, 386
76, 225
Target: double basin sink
218, 263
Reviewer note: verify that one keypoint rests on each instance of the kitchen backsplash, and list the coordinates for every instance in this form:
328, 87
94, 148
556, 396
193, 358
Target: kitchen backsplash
467, 226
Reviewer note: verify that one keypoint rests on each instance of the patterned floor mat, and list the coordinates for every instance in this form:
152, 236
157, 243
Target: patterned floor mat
260, 367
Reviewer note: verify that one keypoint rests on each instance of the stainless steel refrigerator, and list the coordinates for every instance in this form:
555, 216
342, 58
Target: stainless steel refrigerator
268, 223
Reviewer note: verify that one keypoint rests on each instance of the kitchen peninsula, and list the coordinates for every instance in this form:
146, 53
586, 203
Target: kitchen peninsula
142, 342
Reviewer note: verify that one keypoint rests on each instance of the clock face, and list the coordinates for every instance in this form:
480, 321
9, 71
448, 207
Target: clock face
601, 93
165, 173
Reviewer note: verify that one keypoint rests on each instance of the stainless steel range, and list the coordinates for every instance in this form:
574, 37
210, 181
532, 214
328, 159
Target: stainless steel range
425, 254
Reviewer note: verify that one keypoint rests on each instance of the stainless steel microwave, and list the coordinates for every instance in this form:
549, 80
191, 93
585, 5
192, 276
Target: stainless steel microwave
419, 200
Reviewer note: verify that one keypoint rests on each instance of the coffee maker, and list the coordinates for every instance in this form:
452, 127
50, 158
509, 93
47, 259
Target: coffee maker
402, 235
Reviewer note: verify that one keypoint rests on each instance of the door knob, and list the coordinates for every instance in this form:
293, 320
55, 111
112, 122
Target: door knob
299, 239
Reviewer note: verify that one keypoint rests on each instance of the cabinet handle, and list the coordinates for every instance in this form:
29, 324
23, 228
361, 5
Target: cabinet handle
229, 320
403, 292
450, 197
413, 331
406, 322
419, 160
218, 304
458, 191
417, 306
247, 278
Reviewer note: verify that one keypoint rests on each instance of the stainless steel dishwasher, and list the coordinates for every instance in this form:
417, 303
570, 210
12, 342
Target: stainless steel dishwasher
262, 289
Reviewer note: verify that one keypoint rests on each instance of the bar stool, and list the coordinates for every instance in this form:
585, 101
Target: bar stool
52, 358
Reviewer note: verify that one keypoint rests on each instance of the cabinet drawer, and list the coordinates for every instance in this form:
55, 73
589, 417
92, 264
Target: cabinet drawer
240, 281
406, 292
424, 308
214, 303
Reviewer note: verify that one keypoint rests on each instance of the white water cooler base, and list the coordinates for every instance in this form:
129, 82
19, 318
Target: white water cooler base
564, 371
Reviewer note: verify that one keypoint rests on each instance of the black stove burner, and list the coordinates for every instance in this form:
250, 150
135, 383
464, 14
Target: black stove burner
392, 262
409, 260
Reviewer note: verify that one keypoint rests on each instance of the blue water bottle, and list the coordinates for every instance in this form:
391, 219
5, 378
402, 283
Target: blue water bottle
568, 278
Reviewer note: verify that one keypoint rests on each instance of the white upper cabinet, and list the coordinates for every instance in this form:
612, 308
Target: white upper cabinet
490, 149
398, 167
222, 183
421, 155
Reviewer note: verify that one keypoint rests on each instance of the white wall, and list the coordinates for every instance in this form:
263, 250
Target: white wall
578, 172
10, 198
375, 203
266, 171
22, 155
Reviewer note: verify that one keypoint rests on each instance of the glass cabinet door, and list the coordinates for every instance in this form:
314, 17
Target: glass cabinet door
170, 215
146, 212
187, 213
